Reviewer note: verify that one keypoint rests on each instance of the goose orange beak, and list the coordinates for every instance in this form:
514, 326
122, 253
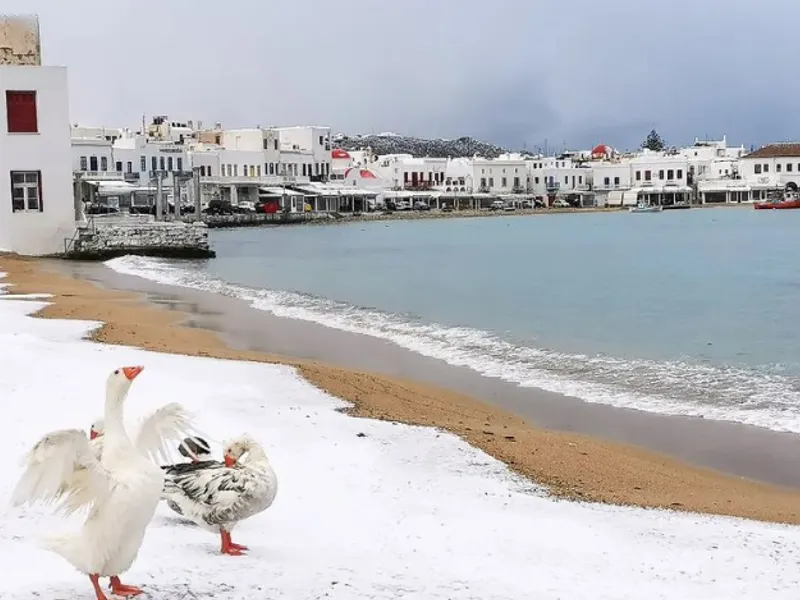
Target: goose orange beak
229, 461
132, 372
93, 434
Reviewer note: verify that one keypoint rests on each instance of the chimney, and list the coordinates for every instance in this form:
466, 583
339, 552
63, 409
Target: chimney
19, 40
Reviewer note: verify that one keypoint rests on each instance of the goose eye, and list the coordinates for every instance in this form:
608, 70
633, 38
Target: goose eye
116, 372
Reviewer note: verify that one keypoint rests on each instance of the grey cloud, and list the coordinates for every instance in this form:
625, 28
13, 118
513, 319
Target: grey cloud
510, 71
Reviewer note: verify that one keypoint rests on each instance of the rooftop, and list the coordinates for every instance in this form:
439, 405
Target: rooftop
776, 151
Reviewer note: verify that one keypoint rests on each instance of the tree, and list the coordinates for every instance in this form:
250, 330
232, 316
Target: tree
653, 142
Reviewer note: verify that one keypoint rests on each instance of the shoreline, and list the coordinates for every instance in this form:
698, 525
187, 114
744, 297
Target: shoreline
571, 465
413, 215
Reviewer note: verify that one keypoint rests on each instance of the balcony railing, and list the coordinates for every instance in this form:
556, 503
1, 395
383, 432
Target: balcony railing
101, 175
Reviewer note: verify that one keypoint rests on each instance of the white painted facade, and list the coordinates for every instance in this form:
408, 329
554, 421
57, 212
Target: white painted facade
458, 176
405, 172
314, 142
562, 176
503, 175
47, 214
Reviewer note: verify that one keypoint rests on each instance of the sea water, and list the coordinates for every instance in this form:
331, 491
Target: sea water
689, 312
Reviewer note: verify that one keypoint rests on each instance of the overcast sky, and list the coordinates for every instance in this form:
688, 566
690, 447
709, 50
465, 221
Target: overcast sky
515, 72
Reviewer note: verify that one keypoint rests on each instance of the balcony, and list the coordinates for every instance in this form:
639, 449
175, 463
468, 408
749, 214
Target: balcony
247, 180
100, 175
418, 185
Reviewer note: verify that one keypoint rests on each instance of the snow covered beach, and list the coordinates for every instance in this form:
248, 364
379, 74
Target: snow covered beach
367, 509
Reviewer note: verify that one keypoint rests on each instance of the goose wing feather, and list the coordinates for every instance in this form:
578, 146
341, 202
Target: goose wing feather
219, 495
163, 429
63, 469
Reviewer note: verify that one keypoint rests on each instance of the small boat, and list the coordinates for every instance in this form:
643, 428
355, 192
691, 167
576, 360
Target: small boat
788, 200
642, 207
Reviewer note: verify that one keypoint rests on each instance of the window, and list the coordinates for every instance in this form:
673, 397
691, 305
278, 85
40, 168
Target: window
130, 167
161, 163
661, 174
566, 179
304, 170
21, 112
638, 175
757, 169
766, 168
26, 191
606, 181
252, 171
670, 174
504, 182
536, 180
143, 163
483, 182
235, 170
84, 163
104, 163
516, 183
179, 163
276, 144
680, 173
119, 166
648, 176
258, 171
788, 167
616, 180
169, 163
491, 181
154, 163
778, 167
580, 179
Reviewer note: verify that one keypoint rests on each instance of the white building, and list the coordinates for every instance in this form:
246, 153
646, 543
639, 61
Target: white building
35, 147
654, 177
507, 174
566, 176
770, 169
314, 143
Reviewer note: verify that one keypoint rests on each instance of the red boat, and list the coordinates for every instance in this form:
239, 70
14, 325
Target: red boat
788, 201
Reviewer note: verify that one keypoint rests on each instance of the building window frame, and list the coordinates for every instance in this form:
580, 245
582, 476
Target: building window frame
26, 189
22, 111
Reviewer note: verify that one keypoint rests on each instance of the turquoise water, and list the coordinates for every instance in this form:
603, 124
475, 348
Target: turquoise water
683, 312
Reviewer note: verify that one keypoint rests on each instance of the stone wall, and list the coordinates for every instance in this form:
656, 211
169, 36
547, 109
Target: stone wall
19, 40
111, 238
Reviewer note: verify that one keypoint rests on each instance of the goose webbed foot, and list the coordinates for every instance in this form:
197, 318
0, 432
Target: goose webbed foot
228, 547
120, 589
95, 579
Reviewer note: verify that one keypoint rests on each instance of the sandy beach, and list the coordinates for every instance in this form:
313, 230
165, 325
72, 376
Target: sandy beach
572, 465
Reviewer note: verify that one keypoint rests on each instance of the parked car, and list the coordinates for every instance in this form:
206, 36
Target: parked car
447, 208
420, 205
497, 205
218, 207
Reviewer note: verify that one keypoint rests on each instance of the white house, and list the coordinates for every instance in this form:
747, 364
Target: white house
611, 178
772, 168
507, 174
659, 178
312, 141
35, 151
567, 176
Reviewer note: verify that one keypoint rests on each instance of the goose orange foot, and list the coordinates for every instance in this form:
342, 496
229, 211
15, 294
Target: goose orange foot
230, 548
120, 589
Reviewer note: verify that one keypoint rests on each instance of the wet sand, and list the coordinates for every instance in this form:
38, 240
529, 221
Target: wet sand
578, 450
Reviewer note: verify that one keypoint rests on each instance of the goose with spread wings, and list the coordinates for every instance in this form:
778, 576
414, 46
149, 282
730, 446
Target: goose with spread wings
115, 478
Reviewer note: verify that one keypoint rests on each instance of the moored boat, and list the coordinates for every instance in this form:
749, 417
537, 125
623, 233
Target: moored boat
785, 202
642, 207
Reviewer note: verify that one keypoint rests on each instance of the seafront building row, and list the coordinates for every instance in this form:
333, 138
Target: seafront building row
61, 174
301, 167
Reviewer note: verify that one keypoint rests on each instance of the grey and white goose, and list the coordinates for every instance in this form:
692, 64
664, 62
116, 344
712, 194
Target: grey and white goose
217, 496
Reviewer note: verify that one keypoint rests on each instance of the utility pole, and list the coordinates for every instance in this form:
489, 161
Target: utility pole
159, 196
198, 199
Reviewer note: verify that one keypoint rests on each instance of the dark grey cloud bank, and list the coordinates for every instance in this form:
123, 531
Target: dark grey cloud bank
511, 71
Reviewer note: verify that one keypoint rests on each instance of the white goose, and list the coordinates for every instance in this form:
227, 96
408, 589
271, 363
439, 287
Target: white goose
121, 489
217, 496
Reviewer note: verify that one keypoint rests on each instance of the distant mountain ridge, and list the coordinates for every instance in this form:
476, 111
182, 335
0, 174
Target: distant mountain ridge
392, 143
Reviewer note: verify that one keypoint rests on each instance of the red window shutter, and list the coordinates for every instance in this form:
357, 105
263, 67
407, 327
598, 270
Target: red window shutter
21, 112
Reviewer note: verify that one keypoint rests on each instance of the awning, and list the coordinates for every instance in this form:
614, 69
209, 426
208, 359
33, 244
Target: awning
113, 188
615, 198
277, 191
631, 198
